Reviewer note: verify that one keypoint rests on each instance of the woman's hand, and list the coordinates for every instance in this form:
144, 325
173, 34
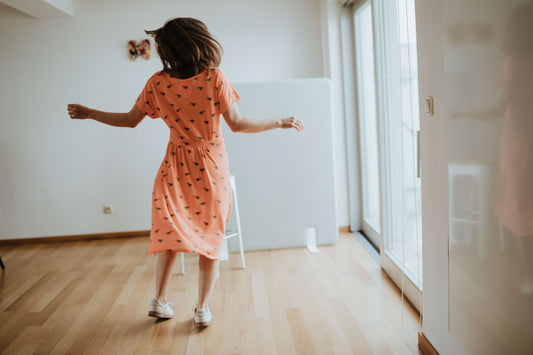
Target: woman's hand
78, 111
292, 122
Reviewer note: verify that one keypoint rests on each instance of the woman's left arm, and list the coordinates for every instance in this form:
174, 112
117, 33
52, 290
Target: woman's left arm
118, 119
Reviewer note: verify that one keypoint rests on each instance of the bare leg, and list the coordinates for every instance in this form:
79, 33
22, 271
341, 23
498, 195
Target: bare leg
163, 272
206, 282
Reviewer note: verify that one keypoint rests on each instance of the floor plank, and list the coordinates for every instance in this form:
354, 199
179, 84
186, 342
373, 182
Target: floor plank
91, 297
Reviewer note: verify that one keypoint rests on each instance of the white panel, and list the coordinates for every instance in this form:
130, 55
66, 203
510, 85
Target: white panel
285, 179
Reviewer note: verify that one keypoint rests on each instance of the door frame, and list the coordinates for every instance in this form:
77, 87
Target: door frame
372, 235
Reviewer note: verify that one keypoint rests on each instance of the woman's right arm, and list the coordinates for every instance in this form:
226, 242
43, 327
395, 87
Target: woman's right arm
117, 119
246, 125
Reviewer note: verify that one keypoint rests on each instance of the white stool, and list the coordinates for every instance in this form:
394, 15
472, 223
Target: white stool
228, 233
473, 204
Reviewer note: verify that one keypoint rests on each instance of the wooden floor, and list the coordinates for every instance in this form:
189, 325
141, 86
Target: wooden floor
93, 296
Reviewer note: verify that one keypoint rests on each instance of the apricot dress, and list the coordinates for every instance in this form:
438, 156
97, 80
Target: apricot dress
192, 197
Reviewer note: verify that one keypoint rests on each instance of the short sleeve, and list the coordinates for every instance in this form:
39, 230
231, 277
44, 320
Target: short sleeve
145, 101
227, 94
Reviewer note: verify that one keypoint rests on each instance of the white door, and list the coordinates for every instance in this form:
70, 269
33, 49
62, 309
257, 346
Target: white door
476, 61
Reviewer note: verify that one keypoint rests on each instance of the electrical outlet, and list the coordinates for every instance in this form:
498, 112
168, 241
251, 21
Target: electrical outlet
108, 209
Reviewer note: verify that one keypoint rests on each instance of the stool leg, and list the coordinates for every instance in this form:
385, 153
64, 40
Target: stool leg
233, 186
182, 264
2, 263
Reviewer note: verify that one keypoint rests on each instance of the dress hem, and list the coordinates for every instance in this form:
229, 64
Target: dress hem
184, 251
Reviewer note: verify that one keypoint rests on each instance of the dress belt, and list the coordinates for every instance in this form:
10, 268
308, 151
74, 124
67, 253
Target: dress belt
177, 142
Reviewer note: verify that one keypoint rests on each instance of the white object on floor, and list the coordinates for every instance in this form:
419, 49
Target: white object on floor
237, 233
311, 240
224, 251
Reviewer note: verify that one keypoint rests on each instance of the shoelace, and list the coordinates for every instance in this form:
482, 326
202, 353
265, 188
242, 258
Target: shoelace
164, 304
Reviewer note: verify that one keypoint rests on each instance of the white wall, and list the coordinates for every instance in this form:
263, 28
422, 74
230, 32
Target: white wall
339, 66
57, 173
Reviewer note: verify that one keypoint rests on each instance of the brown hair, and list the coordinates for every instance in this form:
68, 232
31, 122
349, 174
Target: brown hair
186, 47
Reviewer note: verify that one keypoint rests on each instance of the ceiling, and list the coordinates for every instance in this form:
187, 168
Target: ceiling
41, 8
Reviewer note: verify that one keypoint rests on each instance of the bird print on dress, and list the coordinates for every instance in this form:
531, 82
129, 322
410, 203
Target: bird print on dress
192, 197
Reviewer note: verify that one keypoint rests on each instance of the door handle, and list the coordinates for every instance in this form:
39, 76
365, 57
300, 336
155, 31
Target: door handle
428, 105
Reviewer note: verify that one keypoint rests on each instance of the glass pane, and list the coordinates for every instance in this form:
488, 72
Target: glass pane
366, 91
400, 116
488, 63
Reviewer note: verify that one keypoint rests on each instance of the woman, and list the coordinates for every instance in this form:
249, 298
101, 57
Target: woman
192, 197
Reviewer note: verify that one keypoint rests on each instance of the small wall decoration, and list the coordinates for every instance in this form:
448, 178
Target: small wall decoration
142, 48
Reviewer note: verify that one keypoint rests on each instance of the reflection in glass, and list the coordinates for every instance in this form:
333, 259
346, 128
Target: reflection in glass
488, 50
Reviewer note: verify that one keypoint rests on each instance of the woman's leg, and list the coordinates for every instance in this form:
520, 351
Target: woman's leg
206, 281
164, 270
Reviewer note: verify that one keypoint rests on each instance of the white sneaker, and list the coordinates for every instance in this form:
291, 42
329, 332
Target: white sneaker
202, 317
160, 310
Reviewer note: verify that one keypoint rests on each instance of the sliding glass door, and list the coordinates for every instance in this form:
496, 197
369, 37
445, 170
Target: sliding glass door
387, 83
398, 103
